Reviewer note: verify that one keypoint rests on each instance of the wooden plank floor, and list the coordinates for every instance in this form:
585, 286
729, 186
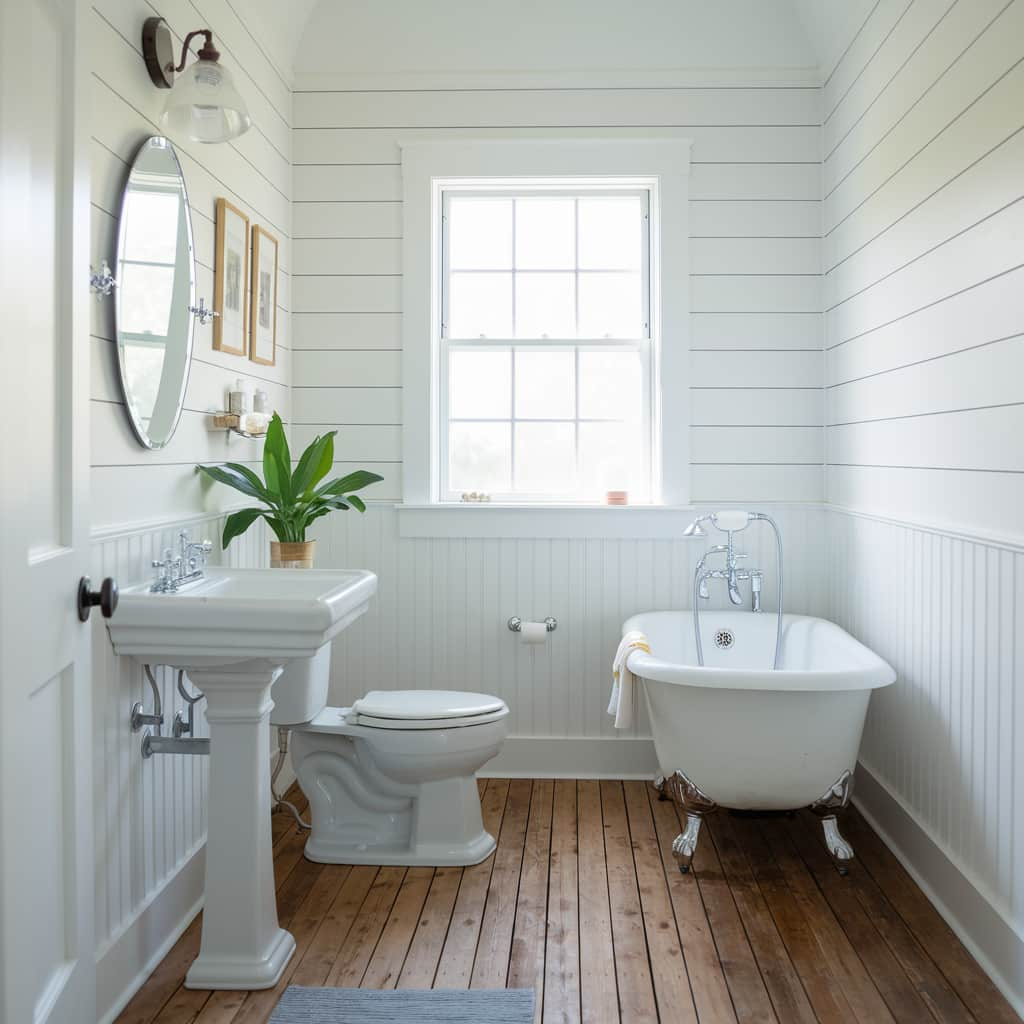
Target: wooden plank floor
583, 903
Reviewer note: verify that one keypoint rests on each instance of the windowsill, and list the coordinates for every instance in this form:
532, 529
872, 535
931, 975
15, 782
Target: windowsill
599, 522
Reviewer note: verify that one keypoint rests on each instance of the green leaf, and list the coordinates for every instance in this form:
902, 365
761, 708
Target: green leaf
237, 523
314, 465
277, 461
252, 477
356, 502
353, 482
277, 526
232, 478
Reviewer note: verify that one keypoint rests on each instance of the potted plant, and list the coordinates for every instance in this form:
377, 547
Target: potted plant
291, 501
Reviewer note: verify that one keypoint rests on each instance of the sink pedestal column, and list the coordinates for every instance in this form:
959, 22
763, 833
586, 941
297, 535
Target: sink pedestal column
243, 946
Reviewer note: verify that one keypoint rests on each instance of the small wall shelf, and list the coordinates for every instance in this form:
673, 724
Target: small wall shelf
232, 421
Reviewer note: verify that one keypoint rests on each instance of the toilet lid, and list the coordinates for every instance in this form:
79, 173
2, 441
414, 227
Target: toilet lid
425, 705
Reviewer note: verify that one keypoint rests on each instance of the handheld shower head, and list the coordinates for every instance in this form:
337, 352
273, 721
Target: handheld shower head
695, 529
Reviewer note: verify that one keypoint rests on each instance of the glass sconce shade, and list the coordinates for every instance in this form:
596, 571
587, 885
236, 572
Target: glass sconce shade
205, 106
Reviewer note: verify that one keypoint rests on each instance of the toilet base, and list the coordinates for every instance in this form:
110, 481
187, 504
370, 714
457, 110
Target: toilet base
325, 851
389, 796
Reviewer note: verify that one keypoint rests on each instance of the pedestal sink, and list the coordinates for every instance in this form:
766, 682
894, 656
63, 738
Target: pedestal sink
232, 632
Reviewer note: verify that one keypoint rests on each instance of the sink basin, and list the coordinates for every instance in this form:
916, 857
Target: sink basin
233, 631
234, 615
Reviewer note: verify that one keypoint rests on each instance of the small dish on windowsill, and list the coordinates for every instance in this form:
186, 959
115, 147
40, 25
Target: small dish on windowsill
247, 424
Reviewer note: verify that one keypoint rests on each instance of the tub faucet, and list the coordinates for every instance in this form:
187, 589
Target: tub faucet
730, 521
732, 575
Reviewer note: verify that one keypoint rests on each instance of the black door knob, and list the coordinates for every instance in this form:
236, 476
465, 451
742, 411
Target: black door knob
105, 597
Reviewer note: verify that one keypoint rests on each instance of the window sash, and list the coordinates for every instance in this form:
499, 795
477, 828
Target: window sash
643, 347
574, 191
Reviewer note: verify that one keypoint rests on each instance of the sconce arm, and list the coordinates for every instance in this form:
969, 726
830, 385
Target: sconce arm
208, 51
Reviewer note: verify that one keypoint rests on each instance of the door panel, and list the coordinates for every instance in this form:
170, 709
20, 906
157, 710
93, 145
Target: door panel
47, 965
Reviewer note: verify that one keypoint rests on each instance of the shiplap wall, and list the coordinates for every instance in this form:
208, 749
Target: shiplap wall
756, 369
151, 815
924, 321
129, 483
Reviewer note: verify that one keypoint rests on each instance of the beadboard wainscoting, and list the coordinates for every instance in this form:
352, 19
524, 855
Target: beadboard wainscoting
253, 172
150, 815
755, 369
440, 621
942, 763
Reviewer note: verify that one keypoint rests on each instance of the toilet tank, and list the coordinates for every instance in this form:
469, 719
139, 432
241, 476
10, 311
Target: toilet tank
300, 692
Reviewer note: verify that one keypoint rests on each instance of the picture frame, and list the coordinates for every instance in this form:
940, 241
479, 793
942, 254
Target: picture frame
231, 280
263, 296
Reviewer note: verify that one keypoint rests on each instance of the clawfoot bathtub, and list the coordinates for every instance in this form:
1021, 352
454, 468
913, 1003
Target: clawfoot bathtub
736, 733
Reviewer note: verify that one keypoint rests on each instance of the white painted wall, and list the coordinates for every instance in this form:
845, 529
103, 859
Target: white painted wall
151, 815
129, 483
755, 371
924, 299
598, 39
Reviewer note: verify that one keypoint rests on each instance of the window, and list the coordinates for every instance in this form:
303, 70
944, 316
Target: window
545, 354
543, 363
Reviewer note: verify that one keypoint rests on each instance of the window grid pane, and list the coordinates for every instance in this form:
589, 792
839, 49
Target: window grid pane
472, 308
589, 453
560, 439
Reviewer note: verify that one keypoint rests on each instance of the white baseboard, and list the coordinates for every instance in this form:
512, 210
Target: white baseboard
576, 757
980, 925
126, 962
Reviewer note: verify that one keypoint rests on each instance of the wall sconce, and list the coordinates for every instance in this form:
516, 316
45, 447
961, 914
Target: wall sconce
204, 104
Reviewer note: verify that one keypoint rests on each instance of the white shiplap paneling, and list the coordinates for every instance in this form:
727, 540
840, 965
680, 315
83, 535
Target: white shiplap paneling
131, 484
924, 329
755, 222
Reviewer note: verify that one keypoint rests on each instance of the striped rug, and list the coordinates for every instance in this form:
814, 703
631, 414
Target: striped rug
404, 1006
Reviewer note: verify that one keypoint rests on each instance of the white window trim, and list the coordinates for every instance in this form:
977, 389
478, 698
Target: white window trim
424, 163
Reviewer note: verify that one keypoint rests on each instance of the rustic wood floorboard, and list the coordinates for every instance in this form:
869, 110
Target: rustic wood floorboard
583, 903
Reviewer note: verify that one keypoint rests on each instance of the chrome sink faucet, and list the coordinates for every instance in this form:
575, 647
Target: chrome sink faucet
175, 571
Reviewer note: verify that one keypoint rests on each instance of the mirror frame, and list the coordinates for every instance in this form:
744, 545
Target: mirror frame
137, 427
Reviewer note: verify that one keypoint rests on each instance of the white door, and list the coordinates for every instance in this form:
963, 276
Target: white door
47, 966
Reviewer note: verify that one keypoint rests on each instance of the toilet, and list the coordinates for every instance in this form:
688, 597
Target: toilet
391, 779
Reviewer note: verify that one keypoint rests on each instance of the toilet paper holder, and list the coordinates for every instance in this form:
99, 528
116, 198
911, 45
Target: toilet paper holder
516, 624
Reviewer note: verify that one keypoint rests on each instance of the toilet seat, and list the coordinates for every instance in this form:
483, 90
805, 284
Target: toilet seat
401, 710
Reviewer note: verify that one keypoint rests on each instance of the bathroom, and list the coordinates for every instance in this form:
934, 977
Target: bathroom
420, 226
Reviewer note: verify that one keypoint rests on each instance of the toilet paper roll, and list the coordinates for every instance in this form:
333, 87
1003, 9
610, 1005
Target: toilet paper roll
533, 633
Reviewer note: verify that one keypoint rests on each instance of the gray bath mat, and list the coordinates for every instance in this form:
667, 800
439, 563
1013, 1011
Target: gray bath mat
404, 1006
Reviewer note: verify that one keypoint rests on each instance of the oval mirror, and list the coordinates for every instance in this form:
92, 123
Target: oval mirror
156, 288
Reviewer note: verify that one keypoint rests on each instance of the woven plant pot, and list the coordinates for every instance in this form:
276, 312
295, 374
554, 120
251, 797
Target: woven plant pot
286, 555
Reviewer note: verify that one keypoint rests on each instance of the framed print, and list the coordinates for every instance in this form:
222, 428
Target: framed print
263, 315
230, 279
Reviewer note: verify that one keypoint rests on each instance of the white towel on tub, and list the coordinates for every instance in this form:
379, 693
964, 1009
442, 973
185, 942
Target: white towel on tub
623, 700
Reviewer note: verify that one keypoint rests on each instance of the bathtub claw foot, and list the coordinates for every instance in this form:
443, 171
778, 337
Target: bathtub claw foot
694, 803
825, 807
660, 785
685, 844
838, 847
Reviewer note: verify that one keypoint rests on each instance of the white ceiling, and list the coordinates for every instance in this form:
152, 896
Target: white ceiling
830, 26
382, 37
